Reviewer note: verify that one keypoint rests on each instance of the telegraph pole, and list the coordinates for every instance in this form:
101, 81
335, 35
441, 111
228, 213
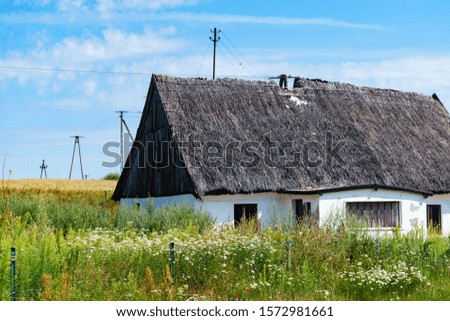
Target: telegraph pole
214, 40
43, 168
77, 141
123, 123
121, 137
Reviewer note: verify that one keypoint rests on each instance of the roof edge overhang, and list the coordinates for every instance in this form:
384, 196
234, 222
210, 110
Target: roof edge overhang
367, 186
318, 191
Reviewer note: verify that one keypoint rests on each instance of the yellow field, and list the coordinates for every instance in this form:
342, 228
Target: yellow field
69, 185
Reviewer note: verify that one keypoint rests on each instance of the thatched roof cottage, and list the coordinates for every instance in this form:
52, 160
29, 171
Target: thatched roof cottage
251, 148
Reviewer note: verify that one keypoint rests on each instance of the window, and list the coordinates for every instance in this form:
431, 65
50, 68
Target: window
375, 214
244, 212
302, 210
434, 217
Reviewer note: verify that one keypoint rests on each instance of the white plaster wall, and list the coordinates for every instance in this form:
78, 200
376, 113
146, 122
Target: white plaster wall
272, 207
444, 201
413, 207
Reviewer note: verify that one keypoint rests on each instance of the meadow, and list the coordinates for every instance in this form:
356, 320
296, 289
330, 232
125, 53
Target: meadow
72, 245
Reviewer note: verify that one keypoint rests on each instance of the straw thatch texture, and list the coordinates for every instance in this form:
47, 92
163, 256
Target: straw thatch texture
381, 137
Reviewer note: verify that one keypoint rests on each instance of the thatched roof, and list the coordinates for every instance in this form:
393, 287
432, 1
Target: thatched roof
387, 138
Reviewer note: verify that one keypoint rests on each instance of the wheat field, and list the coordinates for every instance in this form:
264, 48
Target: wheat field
69, 185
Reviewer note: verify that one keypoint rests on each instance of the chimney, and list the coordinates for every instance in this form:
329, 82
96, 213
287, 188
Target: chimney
283, 81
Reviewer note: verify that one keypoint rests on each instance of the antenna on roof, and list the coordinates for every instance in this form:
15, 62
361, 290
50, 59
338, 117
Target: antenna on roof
77, 141
283, 80
214, 40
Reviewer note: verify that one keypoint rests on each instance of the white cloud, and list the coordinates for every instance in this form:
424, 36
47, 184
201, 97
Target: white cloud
109, 10
271, 20
114, 44
114, 50
32, 2
70, 5
81, 53
69, 103
110, 5
90, 87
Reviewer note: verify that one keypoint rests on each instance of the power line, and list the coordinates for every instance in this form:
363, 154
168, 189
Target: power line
243, 57
99, 72
229, 60
238, 61
232, 54
203, 60
71, 71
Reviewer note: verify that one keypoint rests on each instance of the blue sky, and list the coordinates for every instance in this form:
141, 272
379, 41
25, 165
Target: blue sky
66, 66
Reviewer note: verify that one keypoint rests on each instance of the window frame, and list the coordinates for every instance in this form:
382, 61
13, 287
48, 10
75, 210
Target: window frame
376, 214
246, 216
303, 211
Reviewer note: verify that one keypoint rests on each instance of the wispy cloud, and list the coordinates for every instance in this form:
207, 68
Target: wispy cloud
121, 5
113, 45
87, 17
270, 20
63, 74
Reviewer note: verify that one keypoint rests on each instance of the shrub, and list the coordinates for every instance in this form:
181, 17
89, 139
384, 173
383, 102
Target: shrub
112, 177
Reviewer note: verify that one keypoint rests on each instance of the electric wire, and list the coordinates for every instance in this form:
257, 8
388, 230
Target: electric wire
232, 56
243, 57
70, 71
204, 56
99, 72
238, 61
227, 58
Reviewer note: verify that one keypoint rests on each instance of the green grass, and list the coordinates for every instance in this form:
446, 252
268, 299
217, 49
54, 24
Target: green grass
77, 250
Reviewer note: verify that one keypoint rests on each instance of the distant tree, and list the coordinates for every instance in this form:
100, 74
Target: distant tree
112, 177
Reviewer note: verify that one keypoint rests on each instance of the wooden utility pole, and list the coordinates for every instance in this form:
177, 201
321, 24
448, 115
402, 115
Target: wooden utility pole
123, 123
77, 141
214, 40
